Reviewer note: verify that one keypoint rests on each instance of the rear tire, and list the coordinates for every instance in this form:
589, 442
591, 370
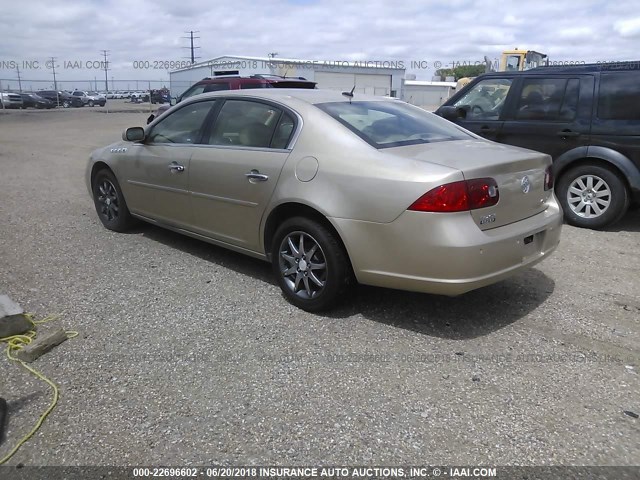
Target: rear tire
91, 103
310, 264
66, 104
110, 204
592, 196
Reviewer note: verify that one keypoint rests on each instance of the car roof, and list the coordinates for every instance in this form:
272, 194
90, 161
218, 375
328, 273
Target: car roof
311, 96
622, 66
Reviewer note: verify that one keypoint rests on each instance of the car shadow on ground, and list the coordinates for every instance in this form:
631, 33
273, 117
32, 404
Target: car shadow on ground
629, 223
471, 315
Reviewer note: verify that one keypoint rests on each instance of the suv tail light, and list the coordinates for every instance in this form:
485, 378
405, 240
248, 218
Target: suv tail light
459, 196
548, 178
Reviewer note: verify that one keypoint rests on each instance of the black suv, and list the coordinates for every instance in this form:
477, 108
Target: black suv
586, 117
61, 99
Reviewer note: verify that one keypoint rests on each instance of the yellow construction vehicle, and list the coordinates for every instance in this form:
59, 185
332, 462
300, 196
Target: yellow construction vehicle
519, 60
511, 61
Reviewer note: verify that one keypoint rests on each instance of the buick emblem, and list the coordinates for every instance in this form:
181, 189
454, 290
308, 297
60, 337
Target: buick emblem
525, 184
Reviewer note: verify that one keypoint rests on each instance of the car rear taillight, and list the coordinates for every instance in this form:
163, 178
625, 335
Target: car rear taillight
548, 178
459, 196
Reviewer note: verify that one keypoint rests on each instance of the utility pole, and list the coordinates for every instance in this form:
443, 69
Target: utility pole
53, 67
192, 48
106, 70
19, 81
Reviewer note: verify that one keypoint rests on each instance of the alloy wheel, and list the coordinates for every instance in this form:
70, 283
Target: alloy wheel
108, 200
588, 196
303, 265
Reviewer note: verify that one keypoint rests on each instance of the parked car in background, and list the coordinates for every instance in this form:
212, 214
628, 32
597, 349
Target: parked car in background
61, 99
36, 101
10, 100
90, 99
330, 187
586, 117
98, 95
237, 82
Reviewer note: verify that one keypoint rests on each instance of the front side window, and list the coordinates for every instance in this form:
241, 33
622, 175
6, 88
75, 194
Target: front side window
183, 125
486, 99
245, 123
196, 90
549, 99
392, 124
619, 97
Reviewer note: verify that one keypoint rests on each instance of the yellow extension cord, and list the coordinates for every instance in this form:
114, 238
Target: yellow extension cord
18, 342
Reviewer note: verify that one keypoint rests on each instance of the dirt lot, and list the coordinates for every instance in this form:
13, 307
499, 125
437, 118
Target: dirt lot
188, 354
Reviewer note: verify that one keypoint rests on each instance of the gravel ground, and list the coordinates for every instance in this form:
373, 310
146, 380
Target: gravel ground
188, 354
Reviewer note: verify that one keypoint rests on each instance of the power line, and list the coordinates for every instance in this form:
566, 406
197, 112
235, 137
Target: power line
192, 48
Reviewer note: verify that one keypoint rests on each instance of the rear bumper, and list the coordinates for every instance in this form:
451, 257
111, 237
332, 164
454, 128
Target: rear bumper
446, 254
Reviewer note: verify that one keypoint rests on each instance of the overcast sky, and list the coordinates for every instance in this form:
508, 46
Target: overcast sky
75, 32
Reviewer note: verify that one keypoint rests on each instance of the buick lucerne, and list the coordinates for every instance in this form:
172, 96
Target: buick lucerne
334, 189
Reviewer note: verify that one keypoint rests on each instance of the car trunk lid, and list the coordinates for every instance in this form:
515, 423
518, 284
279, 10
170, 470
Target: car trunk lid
519, 173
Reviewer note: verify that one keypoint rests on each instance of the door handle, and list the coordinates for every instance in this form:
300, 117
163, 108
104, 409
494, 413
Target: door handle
486, 129
256, 176
176, 167
568, 133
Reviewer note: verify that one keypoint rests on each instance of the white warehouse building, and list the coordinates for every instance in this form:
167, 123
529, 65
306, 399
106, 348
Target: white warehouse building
428, 95
374, 78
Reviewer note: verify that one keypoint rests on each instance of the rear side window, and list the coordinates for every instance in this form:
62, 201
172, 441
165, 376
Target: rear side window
245, 123
549, 99
619, 97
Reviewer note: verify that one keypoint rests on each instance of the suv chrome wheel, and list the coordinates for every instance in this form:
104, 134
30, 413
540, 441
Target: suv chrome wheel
592, 195
589, 196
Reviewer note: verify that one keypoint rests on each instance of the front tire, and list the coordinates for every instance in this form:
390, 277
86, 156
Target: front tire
66, 104
91, 103
592, 196
310, 264
110, 204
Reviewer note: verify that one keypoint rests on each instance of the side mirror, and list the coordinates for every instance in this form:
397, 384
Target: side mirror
133, 134
452, 113
150, 118
173, 101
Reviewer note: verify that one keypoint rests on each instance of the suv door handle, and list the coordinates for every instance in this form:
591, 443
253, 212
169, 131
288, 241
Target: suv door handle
256, 176
568, 133
176, 167
487, 129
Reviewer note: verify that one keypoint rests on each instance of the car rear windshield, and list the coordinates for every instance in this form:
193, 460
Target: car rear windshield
385, 124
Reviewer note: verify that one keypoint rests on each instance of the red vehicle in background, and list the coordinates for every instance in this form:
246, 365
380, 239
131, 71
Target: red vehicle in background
236, 82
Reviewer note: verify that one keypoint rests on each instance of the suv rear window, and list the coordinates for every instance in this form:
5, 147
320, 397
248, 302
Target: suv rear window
391, 124
619, 96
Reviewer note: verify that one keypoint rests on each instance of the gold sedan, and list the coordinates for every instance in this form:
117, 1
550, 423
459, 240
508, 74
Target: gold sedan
332, 189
